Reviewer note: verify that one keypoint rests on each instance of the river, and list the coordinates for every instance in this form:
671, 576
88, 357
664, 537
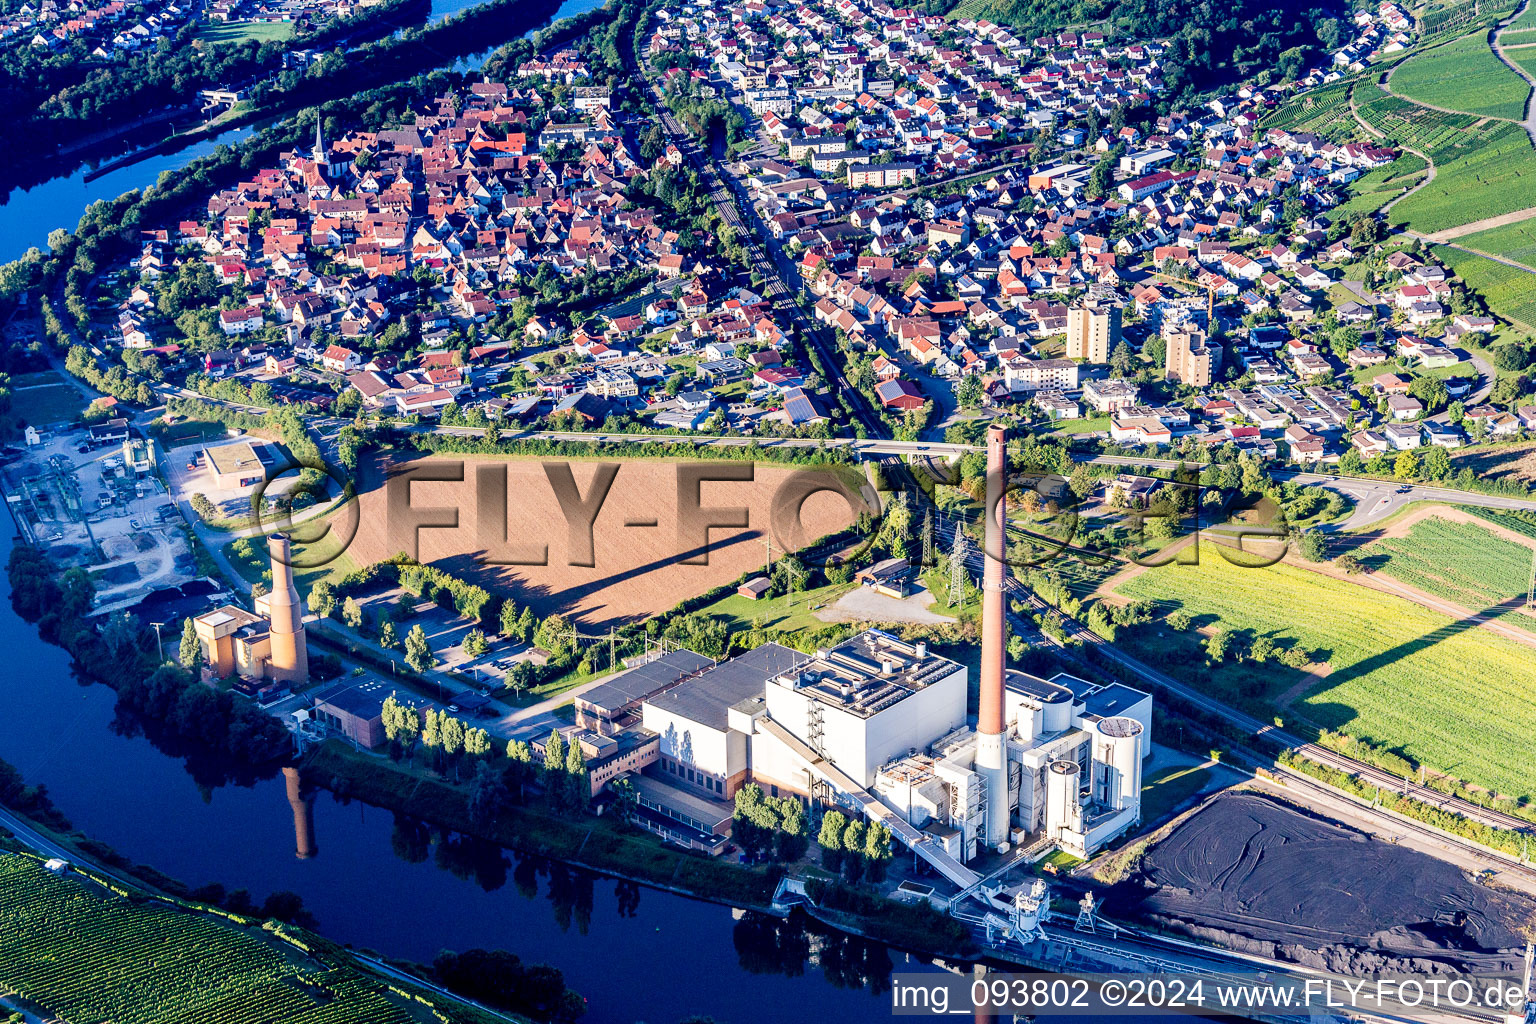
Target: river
635, 953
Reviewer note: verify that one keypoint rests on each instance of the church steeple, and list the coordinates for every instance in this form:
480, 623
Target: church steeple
321, 160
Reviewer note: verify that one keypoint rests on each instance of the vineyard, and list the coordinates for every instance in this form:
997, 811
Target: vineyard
1481, 172
89, 956
1322, 112
1371, 191
1400, 675
1461, 562
1463, 75
1507, 290
1512, 241
1441, 18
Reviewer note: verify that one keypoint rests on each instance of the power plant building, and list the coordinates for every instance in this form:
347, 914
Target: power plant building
267, 643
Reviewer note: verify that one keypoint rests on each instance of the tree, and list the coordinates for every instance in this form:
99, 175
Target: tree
1350, 564
508, 620
487, 794
968, 392
418, 652
1218, 645
191, 653
351, 613
389, 639
322, 599
830, 839
475, 644
1121, 361
853, 844
1406, 467
578, 787
554, 756
877, 849
1314, 546
1436, 464
1431, 391
1262, 649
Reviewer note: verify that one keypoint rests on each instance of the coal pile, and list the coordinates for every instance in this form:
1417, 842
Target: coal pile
1256, 875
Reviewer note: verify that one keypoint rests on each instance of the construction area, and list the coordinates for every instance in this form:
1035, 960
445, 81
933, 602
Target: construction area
1253, 874
92, 498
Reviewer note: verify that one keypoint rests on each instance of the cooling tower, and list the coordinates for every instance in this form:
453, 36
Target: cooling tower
290, 656
991, 755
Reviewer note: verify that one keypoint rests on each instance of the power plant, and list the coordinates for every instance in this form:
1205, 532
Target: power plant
265, 644
880, 727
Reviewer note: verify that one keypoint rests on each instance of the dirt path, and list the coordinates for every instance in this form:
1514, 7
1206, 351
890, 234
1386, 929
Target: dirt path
1429, 164
1485, 224
1529, 124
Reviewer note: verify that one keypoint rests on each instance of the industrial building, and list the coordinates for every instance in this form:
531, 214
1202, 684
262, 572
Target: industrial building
236, 465
267, 643
879, 725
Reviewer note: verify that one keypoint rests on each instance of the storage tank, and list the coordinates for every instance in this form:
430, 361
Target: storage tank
1118, 756
1063, 805
1056, 711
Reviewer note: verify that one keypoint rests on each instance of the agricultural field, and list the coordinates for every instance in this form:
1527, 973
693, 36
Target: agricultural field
1463, 75
1461, 562
1373, 190
1480, 173
1322, 112
1515, 462
642, 558
1442, 17
1525, 23
84, 954
1396, 673
1520, 520
1512, 241
222, 33
1508, 291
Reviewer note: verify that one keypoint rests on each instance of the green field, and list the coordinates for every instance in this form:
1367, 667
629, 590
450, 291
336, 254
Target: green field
1525, 23
1461, 562
1463, 75
1401, 676
85, 954
220, 33
1482, 172
1374, 189
1509, 291
41, 404
1526, 58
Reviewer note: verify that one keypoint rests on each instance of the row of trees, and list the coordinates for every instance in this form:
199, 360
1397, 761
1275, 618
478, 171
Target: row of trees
854, 849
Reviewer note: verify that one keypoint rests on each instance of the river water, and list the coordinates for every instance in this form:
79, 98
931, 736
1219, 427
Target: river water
401, 889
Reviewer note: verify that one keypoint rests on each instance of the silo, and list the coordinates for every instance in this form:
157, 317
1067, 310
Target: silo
1117, 752
1056, 711
1063, 805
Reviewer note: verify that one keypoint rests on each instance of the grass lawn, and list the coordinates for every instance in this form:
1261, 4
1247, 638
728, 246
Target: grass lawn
219, 33
776, 613
1081, 425
1164, 790
313, 562
46, 403
1400, 675
1463, 75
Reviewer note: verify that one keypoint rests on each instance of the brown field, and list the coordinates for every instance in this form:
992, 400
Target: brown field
638, 552
1515, 462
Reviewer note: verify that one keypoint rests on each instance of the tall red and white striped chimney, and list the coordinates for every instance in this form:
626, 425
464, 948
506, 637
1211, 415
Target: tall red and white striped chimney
991, 754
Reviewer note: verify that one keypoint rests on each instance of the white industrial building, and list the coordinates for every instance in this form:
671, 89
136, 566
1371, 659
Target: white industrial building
879, 725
